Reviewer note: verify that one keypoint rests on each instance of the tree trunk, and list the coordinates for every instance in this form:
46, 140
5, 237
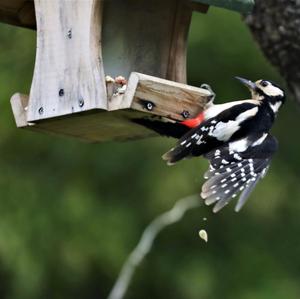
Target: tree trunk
275, 25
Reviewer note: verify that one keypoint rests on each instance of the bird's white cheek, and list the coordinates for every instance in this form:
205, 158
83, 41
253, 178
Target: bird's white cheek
273, 91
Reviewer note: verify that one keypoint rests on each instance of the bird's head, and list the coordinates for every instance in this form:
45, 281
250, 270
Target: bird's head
263, 90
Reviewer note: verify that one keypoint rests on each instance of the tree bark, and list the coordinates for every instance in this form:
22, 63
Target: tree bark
275, 24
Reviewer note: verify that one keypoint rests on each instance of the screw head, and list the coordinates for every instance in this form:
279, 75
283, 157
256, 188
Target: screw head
146, 104
41, 110
81, 103
185, 114
149, 106
69, 34
61, 92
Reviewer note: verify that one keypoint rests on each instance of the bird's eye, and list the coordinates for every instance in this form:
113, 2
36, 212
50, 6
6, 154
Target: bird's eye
264, 83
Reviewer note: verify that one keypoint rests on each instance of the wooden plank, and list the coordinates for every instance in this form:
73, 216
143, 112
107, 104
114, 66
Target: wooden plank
243, 6
94, 126
68, 75
19, 104
178, 50
139, 36
168, 99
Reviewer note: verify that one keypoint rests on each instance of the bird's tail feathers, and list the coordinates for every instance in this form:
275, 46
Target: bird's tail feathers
175, 154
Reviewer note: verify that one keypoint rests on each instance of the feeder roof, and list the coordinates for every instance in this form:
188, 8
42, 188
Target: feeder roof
21, 12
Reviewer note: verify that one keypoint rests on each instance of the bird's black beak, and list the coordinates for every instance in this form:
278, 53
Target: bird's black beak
251, 85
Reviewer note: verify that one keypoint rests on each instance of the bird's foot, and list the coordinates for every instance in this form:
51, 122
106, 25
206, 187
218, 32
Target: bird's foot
208, 87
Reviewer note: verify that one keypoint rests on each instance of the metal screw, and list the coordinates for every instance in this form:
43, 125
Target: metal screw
185, 114
69, 34
41, 110
81, 103
61, 92
149, 106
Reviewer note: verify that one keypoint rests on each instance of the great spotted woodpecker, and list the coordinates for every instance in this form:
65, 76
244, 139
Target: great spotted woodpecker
235, 138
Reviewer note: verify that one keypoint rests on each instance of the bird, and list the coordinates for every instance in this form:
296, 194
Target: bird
235, 139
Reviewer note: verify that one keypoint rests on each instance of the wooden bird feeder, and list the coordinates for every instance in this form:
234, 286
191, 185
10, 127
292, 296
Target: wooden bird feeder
79, 42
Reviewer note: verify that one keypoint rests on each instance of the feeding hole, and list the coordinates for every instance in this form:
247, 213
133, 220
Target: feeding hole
41, 110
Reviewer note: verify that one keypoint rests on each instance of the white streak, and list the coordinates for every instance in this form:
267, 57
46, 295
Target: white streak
237, 157
239, 146
217, 109
260, 140
217, 152
276, 106
223, 131
199, 141
247, 114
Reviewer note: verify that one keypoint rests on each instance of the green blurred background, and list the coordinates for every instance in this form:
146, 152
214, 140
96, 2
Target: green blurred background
71, 212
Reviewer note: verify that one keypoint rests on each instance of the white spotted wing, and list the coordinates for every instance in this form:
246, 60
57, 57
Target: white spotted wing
236, 172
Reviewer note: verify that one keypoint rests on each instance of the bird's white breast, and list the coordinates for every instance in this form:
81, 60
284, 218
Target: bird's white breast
275, 107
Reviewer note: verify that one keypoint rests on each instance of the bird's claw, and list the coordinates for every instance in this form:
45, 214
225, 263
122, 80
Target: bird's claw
208, 87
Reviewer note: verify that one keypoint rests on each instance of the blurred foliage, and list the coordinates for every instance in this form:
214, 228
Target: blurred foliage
71, 212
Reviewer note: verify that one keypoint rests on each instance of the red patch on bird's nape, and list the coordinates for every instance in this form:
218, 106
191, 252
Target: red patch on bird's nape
194, 122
